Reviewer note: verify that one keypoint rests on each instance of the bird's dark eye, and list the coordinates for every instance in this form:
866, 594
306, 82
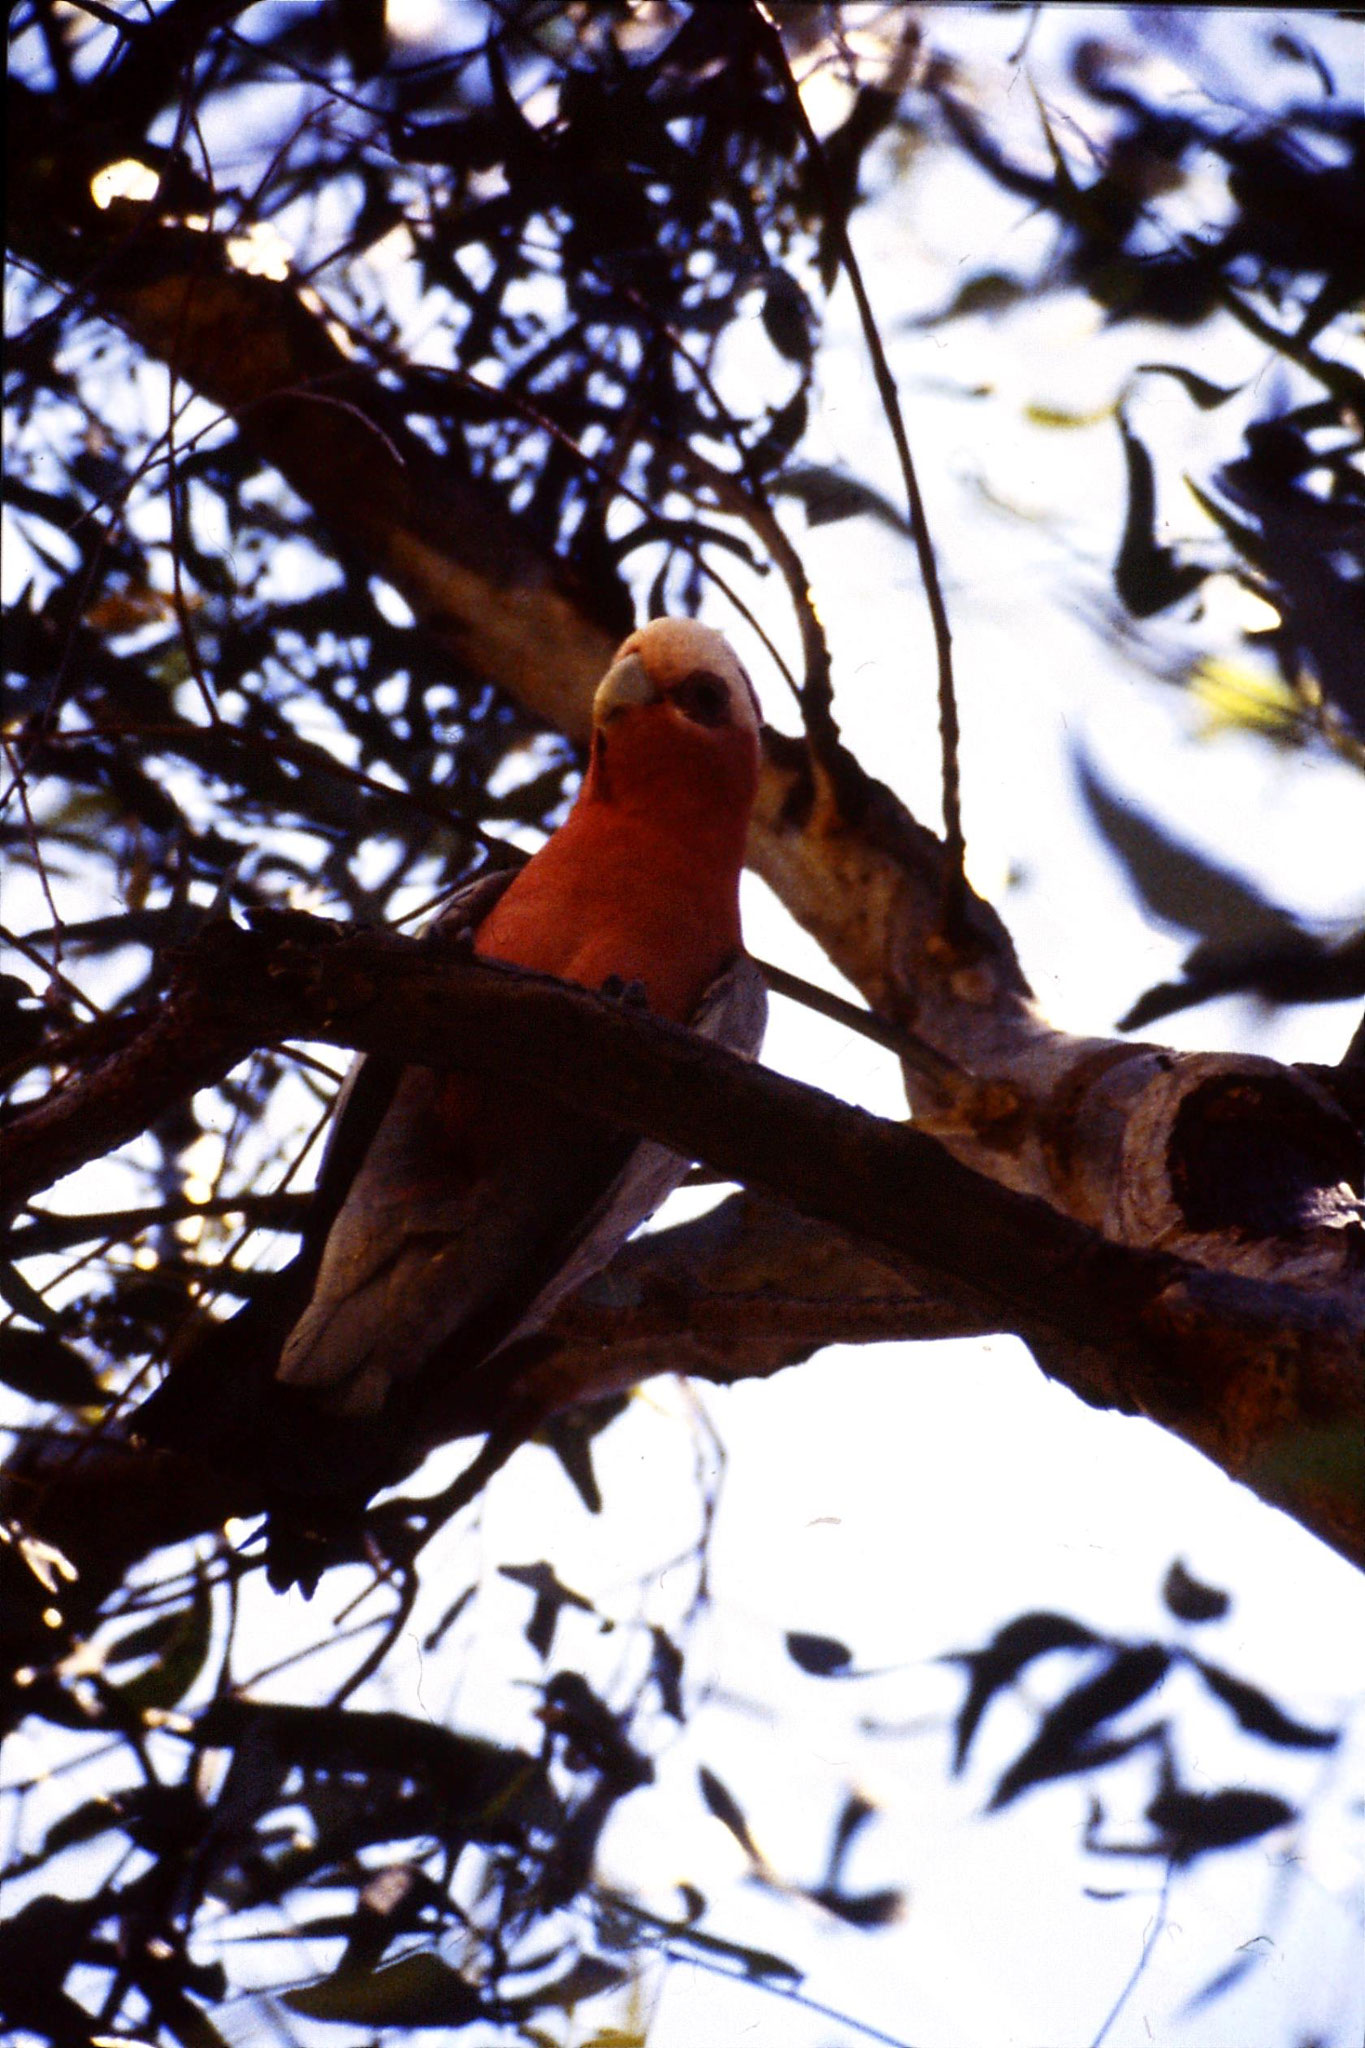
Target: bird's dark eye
702, 697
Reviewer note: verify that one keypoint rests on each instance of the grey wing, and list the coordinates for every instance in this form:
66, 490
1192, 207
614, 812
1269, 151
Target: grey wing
733, 1013
345, 1222
370, 1084
734, 1010
417, 1263
211, 1401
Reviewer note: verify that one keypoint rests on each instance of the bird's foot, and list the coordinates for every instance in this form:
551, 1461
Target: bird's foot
631, 995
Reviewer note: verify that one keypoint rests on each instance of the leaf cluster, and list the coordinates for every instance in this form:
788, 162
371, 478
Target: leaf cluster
1084, 1732
211, 704
1276, 247
535, 255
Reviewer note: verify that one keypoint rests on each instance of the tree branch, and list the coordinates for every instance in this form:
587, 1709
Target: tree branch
1234, 1365
1147, 1147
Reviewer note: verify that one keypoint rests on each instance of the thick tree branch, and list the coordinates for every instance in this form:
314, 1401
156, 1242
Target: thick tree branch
742, 1292
1234, 1365
234, 990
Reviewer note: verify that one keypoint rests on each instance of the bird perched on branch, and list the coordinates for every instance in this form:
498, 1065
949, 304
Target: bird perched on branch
455, 1211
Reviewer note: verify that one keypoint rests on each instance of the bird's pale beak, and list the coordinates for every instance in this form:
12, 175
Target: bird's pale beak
625, 683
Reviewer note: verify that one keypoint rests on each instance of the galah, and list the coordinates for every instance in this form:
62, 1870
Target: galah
474, 1205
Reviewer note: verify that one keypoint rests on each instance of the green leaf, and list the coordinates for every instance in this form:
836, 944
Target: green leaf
721, 1802
756, 1962
147, 1640
181, 1661
419, 1991
1147, 575
588, 1977
1178, 884
1255, 1711
1189, 1599
997, 1666
552, 1596
1069, 1741
1039, 415
989, 291
95, 1817
785, 427
788, 320
1234, 694
1246, 539
821, 1656
23, 1298
1206, 395
39, 1364
861, 1909
23, 1019
830, 495
1194, 1823
486, 1792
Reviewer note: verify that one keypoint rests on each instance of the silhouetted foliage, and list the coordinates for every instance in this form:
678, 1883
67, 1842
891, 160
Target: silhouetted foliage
1077, 1736
528, 253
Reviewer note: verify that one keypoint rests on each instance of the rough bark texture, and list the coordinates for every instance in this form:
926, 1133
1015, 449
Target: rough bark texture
1204, 1200
1230, 1361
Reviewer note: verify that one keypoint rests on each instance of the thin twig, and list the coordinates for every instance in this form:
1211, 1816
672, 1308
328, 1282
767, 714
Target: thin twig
501, 1444
175, 495
592, 465
933, 1065
63, 982
179, 601
408, 1589
954, 903
20, 786
126, 26
1345, 384
50, 1232
1155, 1927
731, 495
750, 506
811, 627
693, 1954
183, 736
